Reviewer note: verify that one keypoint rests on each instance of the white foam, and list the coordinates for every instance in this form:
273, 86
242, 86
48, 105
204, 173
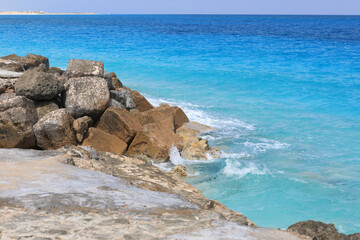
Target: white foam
266, 144
241, 169
197, 115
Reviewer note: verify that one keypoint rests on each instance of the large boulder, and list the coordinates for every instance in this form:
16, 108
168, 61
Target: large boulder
55, 130
83, 68
154, 141
19, 64
124, 97
17, 118
113, 81
169, 117
142, 104
86, 96
38, 85
119, 122
105, 142
44, 107
320, 231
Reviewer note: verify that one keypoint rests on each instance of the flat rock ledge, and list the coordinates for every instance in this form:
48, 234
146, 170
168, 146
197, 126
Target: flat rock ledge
124, 198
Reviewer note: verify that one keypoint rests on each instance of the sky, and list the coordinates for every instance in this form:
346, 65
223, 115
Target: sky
339, 7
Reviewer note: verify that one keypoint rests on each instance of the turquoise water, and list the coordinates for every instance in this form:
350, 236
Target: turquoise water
283, 92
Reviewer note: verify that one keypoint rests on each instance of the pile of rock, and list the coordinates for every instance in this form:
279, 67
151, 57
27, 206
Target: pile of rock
47, 108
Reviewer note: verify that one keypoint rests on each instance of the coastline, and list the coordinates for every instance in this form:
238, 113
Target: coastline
135, 168
42, 13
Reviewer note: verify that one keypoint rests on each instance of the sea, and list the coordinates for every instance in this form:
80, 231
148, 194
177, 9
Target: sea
283, 93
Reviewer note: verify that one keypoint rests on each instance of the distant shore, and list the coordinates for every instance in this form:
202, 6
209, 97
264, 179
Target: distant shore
42, 13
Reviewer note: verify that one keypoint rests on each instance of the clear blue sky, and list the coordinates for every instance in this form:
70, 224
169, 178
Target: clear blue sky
188, 6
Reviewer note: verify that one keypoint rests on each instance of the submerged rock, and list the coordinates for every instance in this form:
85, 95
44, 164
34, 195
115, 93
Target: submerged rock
55, 130
86, 96
17, 118
84, 68
103, 141
179, 171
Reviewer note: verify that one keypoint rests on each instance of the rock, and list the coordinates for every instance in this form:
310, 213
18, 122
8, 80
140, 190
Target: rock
81, 126
113, 81
195, 148
179, 117
105, 142
86, 96
318, 231
38, 85
55, 70
6, 96
200, 128
119, 122
55, 130
140, 101
154, 141
124, 97
114, 103
17, 118
9, 74
179, 171
45, 107
32, 61
84, 68
7, 84
19, 64
163, 115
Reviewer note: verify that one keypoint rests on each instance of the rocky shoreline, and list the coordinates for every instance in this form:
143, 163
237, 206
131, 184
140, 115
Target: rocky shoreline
83, 123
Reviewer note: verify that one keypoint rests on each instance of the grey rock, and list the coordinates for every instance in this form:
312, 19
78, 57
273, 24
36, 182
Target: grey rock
6, 96
124, 97
319, 231
113, 81
82, 68
45, 107
17, 117
86, 96
38, 85
19, 64
114, 103
55, 130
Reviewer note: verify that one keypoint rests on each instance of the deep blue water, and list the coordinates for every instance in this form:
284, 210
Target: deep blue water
283, 92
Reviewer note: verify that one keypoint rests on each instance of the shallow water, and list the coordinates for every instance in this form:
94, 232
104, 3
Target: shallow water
283, 92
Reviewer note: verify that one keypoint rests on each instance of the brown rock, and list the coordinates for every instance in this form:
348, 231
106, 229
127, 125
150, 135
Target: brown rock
84, 68
45, 107
81, 126
56, 70
317, 230
105, 142
55, 130
113, 81
195, 148
119, 122
163, 115
141, 103
17, 118
19, 64
179, 117
154, 141
179, 171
